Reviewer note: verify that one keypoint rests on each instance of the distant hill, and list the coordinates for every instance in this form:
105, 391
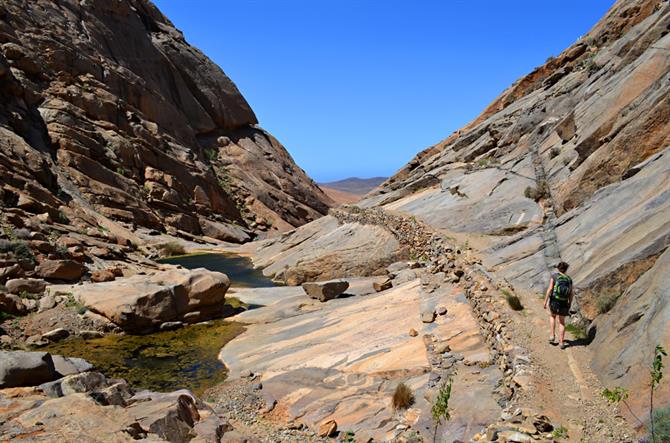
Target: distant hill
355, 185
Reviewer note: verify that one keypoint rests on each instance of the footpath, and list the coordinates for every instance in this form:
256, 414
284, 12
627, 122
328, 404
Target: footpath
548, 394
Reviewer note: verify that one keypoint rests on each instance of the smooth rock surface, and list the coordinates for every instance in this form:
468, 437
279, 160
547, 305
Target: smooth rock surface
139, 304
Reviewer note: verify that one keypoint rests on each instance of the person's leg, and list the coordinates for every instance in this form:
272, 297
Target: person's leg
561, 329
552, 327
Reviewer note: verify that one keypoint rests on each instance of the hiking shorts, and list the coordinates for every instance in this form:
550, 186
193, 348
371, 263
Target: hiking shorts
559, 307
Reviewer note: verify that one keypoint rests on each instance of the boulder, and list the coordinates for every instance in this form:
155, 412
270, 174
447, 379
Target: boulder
21, 368
428, 316
327, 429
382, 286
12, 304
70, 365
324, 291
141, 303
67, 270
102, 275
12, 271
31, 285
225, 232
46, 302
171, 416
101, 252
396, 267
56, 334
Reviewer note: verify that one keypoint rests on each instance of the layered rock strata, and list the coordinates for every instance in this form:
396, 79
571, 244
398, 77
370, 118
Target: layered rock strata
107, 112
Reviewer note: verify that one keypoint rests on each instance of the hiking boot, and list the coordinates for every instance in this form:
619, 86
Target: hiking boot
552, 341
564, 345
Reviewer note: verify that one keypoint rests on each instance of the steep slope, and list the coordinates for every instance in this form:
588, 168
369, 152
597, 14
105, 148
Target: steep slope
106, 107
571, 162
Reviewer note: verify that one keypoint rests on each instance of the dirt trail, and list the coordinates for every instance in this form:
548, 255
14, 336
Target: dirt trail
563, 385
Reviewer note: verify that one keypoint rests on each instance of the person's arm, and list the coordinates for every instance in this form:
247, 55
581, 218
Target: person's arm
551, 288
571, 296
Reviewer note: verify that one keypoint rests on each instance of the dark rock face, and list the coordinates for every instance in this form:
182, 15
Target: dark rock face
19, 368
105, 106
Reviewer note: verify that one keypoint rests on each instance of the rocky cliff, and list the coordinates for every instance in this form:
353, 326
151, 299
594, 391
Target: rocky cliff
109, 114
571, 162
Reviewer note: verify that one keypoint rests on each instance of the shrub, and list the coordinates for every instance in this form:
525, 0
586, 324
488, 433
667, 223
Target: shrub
211, 154
661, 426
20, 250
531, 193
560, 432
402, 397
171, 249
122, 171
605, 302
440, 409
577, 331
512, 300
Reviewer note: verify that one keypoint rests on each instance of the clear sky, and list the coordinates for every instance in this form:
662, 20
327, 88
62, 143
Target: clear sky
358, 87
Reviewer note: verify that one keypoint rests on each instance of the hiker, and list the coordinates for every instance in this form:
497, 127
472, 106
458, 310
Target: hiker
559, 299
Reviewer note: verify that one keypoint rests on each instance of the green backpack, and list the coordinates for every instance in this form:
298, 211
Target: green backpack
562, 287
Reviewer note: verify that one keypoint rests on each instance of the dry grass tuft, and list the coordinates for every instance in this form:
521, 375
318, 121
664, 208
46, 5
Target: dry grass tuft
402, 397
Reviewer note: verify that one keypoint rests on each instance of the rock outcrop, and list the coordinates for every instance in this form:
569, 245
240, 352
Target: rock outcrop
571, 162
140, 304
327, 249
87, 406
108, 114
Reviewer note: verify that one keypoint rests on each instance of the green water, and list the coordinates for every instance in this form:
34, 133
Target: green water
239, 269
170, 360
163, 361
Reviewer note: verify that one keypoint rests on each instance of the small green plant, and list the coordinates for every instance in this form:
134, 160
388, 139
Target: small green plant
6, 316
661, 417
482, 162
656, 374
122, 171
29, 295
440, 410
662, 425
402, 397
349, 437
615, 395
606, 301
577, 331
19, 248
211, 154
560, 432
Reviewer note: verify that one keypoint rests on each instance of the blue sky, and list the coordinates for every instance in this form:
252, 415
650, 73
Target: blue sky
358, 87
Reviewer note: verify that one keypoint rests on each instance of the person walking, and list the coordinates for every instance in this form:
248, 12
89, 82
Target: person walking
558, 299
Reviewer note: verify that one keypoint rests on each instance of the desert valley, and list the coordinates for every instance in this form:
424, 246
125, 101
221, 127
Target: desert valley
169, 273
